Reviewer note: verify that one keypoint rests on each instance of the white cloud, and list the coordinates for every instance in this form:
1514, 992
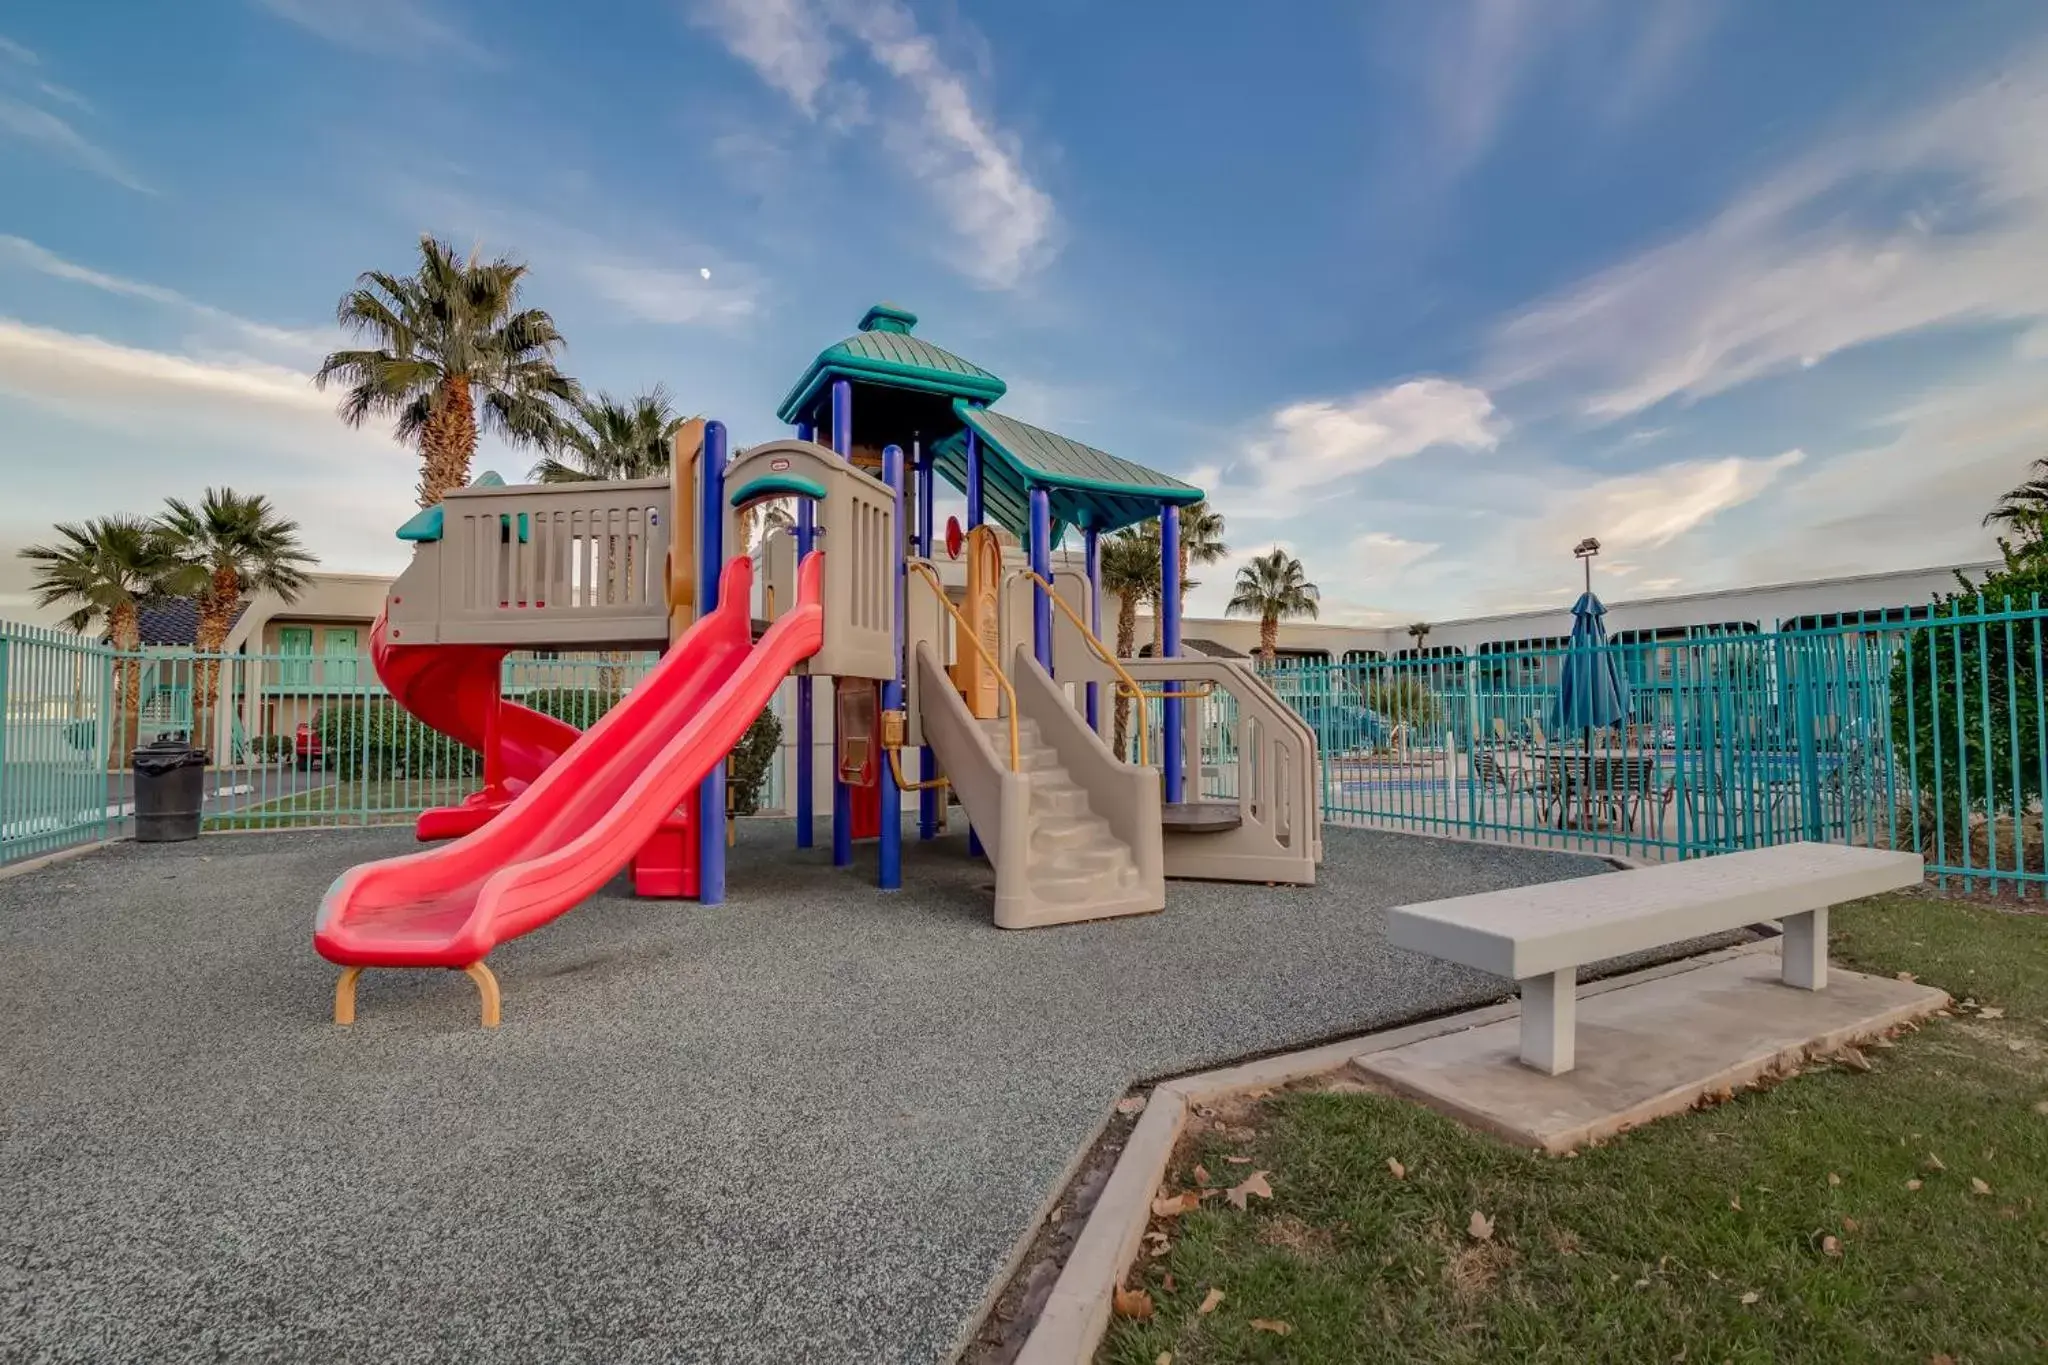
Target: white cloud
15, 52
19, 251
390, 28
785, 41
1006, 225
1379, 553
41, 363
1317, 442
1794, 271
41, 128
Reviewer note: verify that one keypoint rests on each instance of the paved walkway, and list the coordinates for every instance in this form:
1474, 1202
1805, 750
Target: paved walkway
807, 1124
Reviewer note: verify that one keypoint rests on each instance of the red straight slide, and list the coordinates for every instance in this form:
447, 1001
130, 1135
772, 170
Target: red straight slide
581, 820
454, 689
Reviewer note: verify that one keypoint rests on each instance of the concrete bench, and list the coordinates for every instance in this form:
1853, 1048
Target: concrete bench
1541, 935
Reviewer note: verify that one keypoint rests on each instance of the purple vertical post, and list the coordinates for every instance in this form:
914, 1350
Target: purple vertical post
927, 765
1169, 610
890, 877
842, 798
1041, 564
1091, 543
710, 562
973, 520
806, 719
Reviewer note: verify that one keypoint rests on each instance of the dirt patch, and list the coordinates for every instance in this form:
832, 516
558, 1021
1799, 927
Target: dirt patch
1290, 1234
1473, 1271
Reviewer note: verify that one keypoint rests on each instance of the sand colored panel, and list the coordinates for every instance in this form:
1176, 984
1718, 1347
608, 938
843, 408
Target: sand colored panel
971, 673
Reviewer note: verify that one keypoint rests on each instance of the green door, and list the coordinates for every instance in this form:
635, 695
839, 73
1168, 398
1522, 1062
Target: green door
295, 643
339, 645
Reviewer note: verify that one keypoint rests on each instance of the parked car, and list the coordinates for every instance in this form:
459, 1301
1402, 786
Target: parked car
307, 745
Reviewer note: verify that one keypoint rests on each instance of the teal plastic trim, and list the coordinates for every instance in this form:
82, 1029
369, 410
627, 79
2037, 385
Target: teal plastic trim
425, 524
917, 378
777, 486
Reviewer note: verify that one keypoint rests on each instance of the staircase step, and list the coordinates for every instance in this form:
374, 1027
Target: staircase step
1075, 886
1054, 798
1060, 832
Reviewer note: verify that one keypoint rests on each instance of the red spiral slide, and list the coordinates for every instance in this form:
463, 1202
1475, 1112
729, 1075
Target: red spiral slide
582, 819
455, 689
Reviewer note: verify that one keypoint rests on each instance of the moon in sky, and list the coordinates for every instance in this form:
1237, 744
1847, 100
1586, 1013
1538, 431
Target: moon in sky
705, 271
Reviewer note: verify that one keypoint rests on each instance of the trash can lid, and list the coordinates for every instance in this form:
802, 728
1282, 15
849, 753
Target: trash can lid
162, 755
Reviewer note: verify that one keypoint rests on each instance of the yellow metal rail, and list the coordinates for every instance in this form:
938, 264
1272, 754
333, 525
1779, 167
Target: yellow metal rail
1126, 684
967, 633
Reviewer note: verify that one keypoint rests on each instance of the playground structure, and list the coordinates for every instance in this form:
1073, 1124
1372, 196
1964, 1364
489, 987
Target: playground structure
1005, 698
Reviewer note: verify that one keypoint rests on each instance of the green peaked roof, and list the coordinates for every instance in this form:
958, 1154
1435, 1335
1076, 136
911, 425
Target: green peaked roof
1088, 488
884, 352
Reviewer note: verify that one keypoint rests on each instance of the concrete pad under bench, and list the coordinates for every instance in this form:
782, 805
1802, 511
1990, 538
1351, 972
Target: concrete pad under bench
1651, 1050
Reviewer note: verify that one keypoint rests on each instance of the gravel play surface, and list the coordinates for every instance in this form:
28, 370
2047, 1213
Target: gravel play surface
808, 1124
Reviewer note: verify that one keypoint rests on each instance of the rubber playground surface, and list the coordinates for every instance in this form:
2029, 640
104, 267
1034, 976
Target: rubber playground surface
811, 1123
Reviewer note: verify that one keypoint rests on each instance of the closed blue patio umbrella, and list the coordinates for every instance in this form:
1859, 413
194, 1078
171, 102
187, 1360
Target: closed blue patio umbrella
1592, 694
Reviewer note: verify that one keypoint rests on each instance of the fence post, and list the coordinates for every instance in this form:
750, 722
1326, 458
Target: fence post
1472, 741
7, 805
1809, 758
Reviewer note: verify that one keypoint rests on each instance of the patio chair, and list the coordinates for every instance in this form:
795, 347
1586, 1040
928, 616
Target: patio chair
1536, 735
1625, 786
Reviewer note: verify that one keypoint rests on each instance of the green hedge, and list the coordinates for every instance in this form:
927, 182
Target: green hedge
578, 706
746, 773
377, 739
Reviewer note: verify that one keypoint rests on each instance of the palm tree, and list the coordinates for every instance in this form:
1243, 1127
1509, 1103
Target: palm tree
107, 569
1273, 588
1418, 632
610, 438
231, 545
2023, 509
1129, 566
1201, 541
450, 348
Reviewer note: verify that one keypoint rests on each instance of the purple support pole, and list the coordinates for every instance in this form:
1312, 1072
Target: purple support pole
1169, 608
806, 720
1091, 543
842, 798
710, 562
928, 798
891, 874
973, 520
1041, 564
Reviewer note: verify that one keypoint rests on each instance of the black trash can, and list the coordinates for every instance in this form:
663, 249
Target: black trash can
170, 779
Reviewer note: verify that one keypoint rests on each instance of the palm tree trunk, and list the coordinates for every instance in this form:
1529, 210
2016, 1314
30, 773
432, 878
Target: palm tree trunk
1126, 637
1269, 638
216, 619
123, 627
1158, 625
447, 441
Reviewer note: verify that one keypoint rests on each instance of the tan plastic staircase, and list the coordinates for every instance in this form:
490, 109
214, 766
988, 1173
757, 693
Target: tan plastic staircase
1073, 834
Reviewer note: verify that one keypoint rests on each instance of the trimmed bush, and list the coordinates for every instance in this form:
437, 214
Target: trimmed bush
577, 706
746, 772
375, 738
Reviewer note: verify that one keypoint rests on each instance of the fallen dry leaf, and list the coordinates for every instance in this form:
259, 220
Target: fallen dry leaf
1238, 1160
1941, 1358
1853, 1059
1831, 1246
1209, 1301
1174, 1205
1253, 1184
1166, 1282
1736, 1203
1133, 1303
1913, 1184
1978, 1187
1991, 1012
1161, 1249
1480, 1227
1131, 1104
1398, 1171
1834, 1179
1163, 1358
1851, 1225
1273, 1325
1751, 1297
1201, 1175
2041, 1106
1906, 976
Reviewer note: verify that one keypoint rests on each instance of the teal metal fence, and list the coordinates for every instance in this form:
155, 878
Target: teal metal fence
57, 733
1929, 734
1925, 735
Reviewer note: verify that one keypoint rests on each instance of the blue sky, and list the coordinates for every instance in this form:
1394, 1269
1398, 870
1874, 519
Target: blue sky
1425, 292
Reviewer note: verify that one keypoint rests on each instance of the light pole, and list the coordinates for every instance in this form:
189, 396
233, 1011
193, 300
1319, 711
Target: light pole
1584, 552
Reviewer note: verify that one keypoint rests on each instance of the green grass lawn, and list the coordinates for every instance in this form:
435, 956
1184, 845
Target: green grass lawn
1893, 1214
351, 803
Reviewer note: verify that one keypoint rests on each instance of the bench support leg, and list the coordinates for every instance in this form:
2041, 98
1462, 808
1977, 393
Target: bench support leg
1550, 1016
1805, 947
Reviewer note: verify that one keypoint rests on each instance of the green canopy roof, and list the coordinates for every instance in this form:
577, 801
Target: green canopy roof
884, 352
1088, 488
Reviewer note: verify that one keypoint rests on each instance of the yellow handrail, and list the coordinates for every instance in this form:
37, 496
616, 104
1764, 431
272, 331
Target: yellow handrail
967, 633
1126, 683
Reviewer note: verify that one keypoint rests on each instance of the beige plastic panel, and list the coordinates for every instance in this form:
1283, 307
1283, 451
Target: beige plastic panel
1071, 657
589, 573
776, 584
1280, 838
856, 528
926, 623
997, 800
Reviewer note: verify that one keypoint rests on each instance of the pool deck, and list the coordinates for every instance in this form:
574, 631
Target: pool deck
811, 1123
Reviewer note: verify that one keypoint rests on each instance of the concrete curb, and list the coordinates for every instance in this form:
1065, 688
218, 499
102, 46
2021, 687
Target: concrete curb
62, 855
1076, 1315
